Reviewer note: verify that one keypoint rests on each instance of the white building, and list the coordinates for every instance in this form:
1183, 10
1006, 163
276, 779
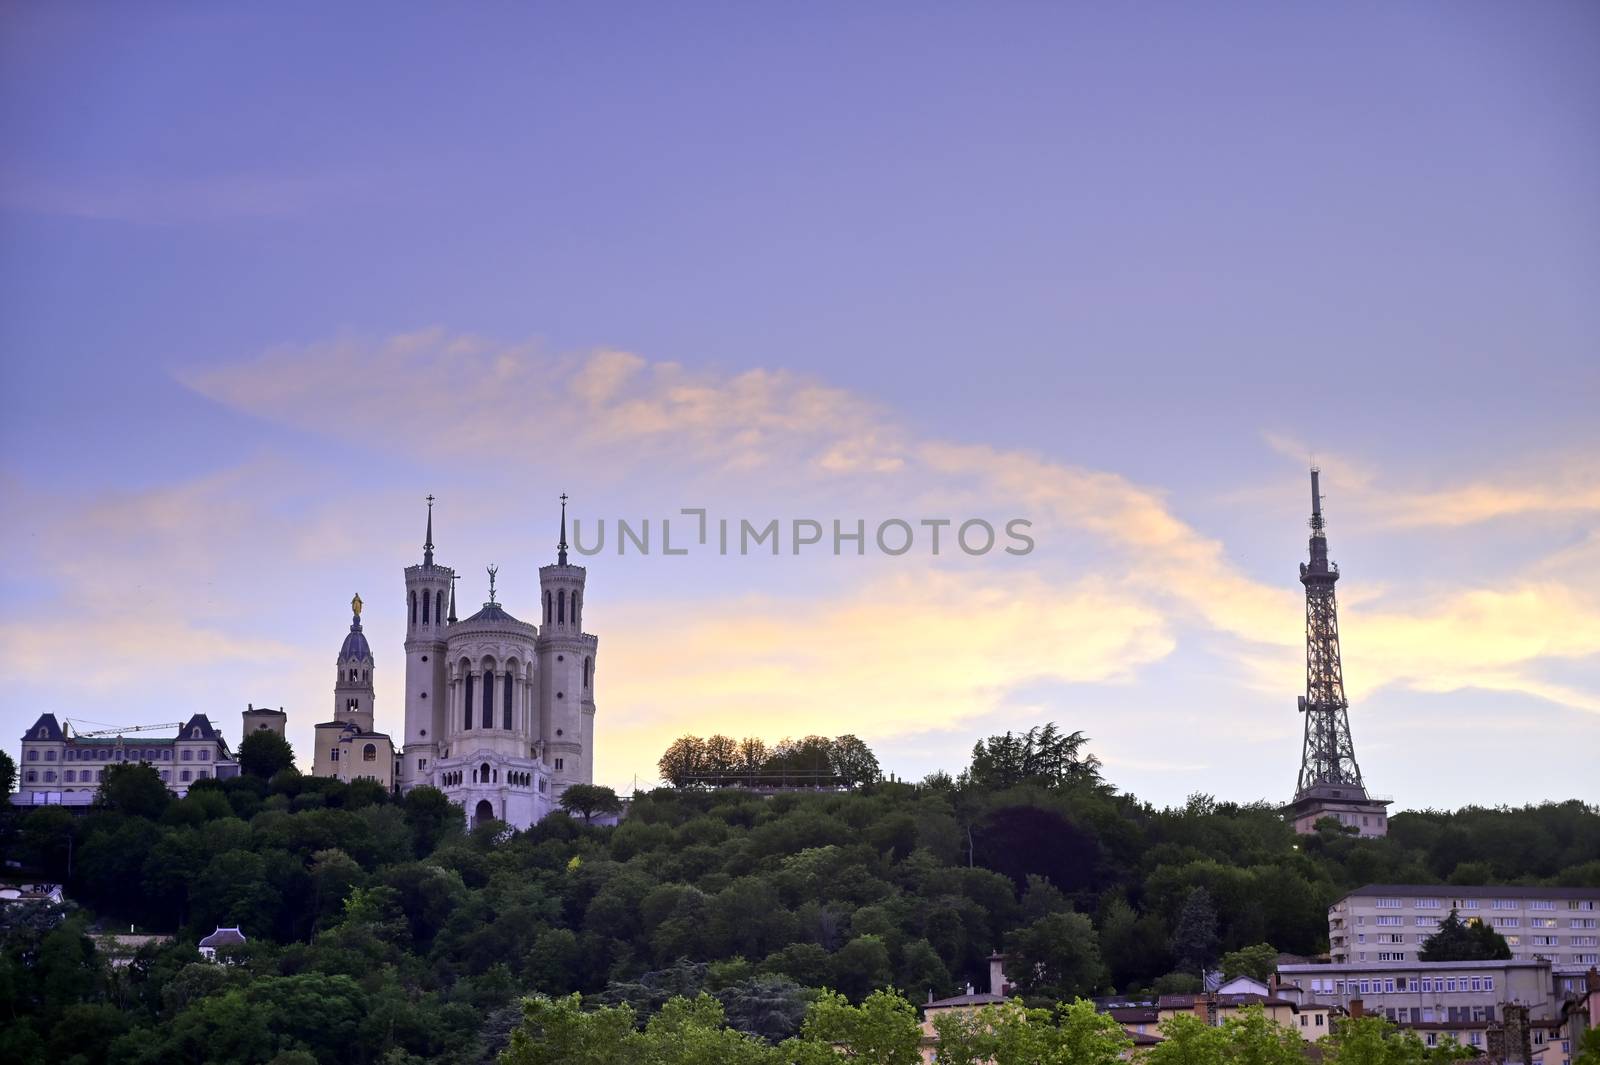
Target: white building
499, 712
1389, 922
60, 767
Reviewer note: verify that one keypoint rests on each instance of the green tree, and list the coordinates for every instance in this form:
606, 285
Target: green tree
133, 788
264, 753
8, 774
883, 1030
560, 1032
1458, 940
1056, 958
1043, 755
683, 761
1587, 1050
1258, 962
853, 762
590, 799
1194, 937
1010, 1034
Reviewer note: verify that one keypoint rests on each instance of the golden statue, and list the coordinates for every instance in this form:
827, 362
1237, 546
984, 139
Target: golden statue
355, 604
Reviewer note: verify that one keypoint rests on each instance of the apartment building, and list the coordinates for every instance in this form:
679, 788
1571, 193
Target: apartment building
1462, 1001
1387, 923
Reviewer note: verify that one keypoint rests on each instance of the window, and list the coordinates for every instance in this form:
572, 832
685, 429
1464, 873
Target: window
188, 756
413, 608
183, 775
33, 756
1584, 941
205, 756
505, 716
1319, 1019
1541, 922
1450, 984
49, 775
369, 753
69, 776
1470, 904
49, 756
559, 764
1391, 920
1542, 904
166, 774
1427, 904
467, 722
1388, 904
333, 755
33, 777
1477, 983
488, 699
1488, 983
1544, 941
1506, 904
1587, 959
1509, 922
1581, 904
1581, 922
1388, 987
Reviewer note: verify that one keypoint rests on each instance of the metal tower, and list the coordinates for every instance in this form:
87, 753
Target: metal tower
1329, 756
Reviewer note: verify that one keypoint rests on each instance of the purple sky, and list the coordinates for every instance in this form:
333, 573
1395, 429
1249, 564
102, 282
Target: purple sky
269, 276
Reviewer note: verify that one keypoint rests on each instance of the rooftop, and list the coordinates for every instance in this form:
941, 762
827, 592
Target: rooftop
1475, 891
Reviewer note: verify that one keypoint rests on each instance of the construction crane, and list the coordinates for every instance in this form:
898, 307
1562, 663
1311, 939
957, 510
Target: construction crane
122, 731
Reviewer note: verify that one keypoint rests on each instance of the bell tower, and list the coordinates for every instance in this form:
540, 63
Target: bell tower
429, 589
352, 686
566, 671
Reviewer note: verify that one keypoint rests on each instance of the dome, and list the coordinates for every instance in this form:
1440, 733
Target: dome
355, 645
490, 612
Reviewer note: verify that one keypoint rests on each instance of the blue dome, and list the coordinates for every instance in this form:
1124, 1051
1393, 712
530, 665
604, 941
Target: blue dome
355, 645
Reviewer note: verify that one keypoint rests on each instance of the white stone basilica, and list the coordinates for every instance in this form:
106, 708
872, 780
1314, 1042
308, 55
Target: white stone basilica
499, 712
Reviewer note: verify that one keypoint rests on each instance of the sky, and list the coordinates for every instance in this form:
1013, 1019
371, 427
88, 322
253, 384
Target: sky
270, 275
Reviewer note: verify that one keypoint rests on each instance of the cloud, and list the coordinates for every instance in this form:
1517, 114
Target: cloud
897, 657
1543, 486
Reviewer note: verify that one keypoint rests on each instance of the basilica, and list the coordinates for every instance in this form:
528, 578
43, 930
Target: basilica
499, 712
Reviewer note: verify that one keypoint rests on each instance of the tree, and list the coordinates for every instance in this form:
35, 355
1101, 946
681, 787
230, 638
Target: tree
560, 1032
264, 752
8, 774
1258, 962
590, 799
1372, 1040
853, 762
1194, 938
882, 1030
1587, 1050
1010, 1034
1056, 958
1043, 756
683, 761
1458, 940
133, 788
720, 758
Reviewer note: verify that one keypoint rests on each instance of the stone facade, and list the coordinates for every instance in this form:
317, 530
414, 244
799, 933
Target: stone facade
59, 767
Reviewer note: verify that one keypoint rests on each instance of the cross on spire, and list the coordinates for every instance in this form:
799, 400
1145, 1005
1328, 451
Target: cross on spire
427, 543
561, 547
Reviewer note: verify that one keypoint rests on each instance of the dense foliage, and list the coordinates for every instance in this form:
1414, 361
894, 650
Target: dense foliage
381, 930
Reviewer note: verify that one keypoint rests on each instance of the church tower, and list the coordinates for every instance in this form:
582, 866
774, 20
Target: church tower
566, 672
429, 589
352, 686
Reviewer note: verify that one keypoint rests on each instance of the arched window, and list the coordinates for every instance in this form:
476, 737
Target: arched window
547, 607
369, 753
33, 756
467, 721
413, 608
438, 605
575, 619
561, 607
588, 671
483, 773
488, 698
506, 712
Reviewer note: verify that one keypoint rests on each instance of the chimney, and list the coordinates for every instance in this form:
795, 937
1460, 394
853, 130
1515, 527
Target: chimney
1273, 983
1357, 1008
1200, 1007
997, 975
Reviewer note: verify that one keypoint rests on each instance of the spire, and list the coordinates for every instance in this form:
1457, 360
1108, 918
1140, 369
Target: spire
452, 618
561, 548
1319, 537
493, 569
427, 544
